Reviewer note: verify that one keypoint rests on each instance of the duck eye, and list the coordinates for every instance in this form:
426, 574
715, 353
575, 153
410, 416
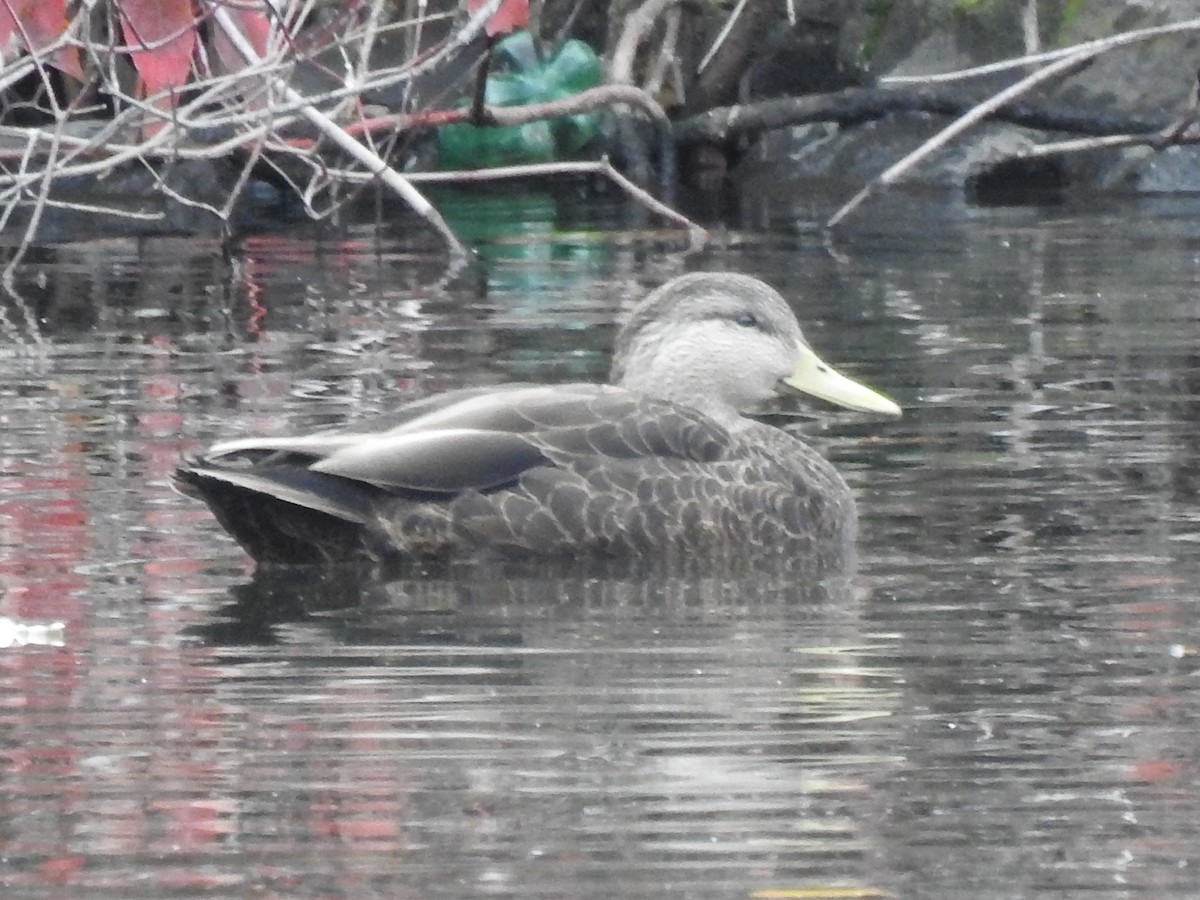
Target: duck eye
746, 320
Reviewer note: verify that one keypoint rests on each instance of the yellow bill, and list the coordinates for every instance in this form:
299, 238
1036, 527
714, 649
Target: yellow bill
818, 379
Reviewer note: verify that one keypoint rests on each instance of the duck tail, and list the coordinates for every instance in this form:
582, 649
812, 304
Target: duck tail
284, 514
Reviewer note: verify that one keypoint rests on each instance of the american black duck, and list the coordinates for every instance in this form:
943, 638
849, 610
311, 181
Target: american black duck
660, 464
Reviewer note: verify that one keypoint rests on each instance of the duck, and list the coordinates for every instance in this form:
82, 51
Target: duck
662, 462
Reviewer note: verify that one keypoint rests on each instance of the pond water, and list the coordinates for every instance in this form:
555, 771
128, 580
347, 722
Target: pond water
1004, 702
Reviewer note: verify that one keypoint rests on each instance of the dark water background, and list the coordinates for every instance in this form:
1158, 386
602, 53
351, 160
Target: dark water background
1003, 703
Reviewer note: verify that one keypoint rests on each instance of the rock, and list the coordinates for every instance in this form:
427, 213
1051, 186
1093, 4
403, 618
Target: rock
923, 37
1152, 76
985, 163
1171, 171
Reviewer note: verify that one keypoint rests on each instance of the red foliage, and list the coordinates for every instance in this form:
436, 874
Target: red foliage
254, 26
161, 37
36, 24
60, 869
511, 15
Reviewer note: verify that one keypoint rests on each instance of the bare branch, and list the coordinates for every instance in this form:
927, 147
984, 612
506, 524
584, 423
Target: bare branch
584, 167
345, 142
1082, 54
637, 25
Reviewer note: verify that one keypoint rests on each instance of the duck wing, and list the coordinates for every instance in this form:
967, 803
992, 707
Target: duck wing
668, 488
293, 499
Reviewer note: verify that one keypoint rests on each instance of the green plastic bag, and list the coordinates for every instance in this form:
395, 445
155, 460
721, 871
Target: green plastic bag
523, 78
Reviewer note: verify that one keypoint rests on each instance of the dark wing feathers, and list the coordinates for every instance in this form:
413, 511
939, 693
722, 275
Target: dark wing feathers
439, 462
337, 497
282, 515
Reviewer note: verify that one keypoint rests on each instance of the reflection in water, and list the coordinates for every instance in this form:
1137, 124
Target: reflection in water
1002, 703
14, 633
540, 731
481, 594
471, 735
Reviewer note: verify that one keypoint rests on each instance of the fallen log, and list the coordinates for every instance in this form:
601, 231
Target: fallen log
854, 106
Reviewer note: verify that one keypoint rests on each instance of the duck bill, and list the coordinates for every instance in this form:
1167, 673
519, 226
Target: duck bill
818, 379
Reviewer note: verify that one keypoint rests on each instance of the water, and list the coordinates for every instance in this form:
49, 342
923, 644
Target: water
1003, 703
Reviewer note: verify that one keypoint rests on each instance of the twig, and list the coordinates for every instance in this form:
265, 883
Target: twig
581, 167
584, 101
1083, 145
697, 234
568, 24
345, 142
1082, 54
852, 106
1029, 26
667, 59
1176, 130
45, 182
1019, 62
1180, 131
721, 36
213, 119
637, 24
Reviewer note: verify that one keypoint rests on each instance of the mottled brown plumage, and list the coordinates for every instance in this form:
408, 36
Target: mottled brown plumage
662, 465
